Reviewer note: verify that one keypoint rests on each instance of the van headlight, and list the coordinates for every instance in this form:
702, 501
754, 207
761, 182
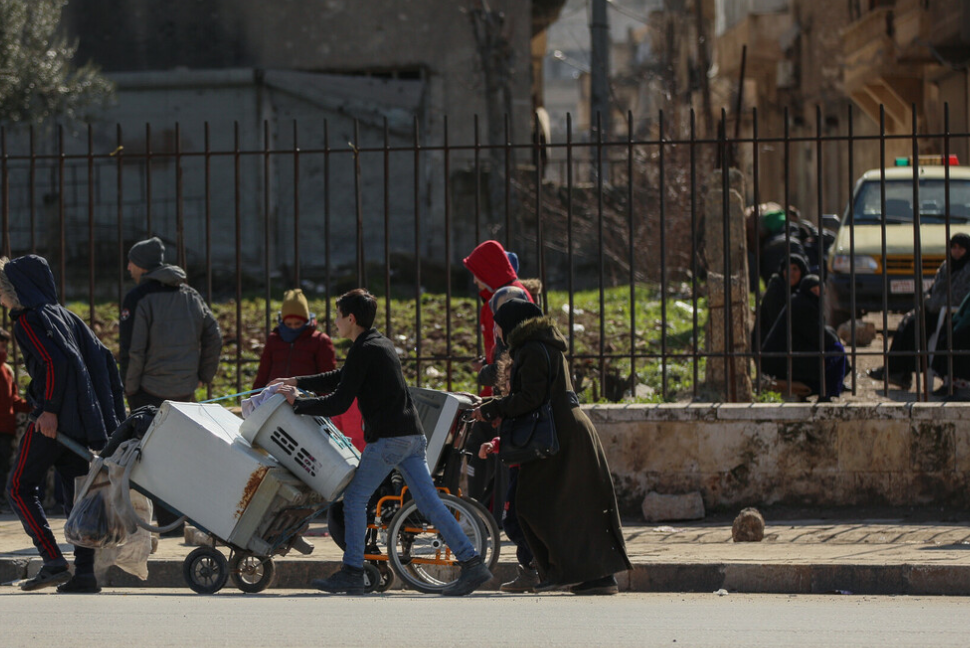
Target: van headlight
864, 264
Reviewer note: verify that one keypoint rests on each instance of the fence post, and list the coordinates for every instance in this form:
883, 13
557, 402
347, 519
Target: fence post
727, 375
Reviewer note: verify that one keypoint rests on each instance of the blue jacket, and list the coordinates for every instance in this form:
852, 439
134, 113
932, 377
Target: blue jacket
72, 374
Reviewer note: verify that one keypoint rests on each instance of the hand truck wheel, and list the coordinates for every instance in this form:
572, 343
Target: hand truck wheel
250, 573
205, 570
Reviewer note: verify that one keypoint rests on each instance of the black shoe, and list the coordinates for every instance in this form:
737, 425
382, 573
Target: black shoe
899, 378
47, 577
474, 574
599, 587
347, 580
547, 586
80, 585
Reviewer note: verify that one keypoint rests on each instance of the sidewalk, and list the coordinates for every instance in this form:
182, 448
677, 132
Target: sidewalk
858, 556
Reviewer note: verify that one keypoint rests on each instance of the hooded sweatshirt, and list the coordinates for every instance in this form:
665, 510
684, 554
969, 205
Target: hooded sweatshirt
169, 340
490, 264
72, 374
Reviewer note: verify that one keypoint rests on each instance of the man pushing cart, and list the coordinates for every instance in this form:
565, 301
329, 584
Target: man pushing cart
392, 428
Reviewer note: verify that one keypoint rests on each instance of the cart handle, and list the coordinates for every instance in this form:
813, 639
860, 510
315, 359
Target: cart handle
74, 447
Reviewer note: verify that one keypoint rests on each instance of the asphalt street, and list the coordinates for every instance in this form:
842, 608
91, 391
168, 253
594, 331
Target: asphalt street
302, 618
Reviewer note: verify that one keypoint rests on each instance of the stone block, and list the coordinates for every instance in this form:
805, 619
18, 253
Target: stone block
663, 508
749, 526
932, 447
961, 448
768, 579
807, 446
867, 445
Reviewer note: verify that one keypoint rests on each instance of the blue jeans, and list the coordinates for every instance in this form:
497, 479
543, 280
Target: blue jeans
409, 455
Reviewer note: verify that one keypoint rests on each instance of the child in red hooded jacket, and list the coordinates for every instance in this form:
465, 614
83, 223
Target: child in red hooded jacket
10, 404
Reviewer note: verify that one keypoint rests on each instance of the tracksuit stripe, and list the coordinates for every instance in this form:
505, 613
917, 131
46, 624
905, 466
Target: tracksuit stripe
49, 387
15, 493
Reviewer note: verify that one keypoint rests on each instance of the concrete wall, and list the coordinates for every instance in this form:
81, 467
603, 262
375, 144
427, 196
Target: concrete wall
413, 62
906, 454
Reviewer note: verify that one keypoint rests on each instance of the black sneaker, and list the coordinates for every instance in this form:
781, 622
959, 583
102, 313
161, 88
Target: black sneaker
899, 378
598, 587
347, 580
80, 585
474, 574
47, 577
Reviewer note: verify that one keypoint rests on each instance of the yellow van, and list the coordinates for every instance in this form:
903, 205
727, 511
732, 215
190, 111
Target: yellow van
896, 271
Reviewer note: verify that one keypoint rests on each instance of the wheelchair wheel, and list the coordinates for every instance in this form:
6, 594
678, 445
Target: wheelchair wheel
372, 578
387, 576
493, 537
205, 570
251, 574
417, 551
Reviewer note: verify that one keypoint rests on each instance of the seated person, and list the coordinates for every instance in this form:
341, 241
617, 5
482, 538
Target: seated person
960, 375
774, 299
900, 365
808, 335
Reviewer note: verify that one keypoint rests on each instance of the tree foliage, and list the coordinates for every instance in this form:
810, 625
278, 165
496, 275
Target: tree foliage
38, 80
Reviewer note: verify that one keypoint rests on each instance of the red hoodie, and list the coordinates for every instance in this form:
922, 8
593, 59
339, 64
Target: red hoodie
490, 265
10, 401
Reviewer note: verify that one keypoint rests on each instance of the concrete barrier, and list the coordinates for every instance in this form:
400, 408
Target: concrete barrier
828, 455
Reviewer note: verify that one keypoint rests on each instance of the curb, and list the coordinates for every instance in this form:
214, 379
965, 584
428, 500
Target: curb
902, 579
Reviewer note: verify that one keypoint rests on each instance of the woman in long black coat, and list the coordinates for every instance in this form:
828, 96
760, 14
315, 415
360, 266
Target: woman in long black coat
566, 504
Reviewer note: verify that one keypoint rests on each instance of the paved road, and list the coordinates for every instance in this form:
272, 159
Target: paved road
298, 618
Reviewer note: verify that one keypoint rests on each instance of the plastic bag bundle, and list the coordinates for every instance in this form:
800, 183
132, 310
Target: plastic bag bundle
94, 521
132, 556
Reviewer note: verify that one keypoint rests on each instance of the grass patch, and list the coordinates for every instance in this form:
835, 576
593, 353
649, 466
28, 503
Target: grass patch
440, 351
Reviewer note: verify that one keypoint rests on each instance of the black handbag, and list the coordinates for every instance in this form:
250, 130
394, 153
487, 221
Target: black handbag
532, 436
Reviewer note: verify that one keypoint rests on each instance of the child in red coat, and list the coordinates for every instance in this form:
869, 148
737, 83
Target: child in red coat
297, 348
10, 404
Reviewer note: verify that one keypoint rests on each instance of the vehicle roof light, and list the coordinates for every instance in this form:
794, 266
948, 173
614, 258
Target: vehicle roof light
929, 160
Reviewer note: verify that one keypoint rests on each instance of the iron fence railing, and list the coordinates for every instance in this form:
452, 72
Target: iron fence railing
278, 208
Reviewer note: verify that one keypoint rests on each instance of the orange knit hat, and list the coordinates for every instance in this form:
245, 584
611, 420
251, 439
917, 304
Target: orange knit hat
295, 305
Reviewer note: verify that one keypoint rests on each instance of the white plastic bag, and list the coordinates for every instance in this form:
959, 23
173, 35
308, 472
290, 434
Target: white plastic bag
132, 556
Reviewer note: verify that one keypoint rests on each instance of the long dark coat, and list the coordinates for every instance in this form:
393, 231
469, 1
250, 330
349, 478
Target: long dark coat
566, 504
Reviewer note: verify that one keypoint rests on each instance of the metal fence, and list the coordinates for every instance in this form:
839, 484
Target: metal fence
624, 213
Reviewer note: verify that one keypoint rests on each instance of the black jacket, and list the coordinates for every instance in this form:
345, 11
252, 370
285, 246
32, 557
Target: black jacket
372, 374
72, 374
808, 334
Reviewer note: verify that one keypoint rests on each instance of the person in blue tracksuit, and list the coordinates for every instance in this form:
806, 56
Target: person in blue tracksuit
75, 389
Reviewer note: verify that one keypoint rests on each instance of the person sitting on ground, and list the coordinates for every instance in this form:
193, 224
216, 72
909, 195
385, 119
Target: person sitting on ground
775, 298
395, 439
808, 336
960, 375
296, 347
901, 362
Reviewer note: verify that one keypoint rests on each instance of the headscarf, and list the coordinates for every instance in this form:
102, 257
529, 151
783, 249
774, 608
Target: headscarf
963, 240
514, 312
